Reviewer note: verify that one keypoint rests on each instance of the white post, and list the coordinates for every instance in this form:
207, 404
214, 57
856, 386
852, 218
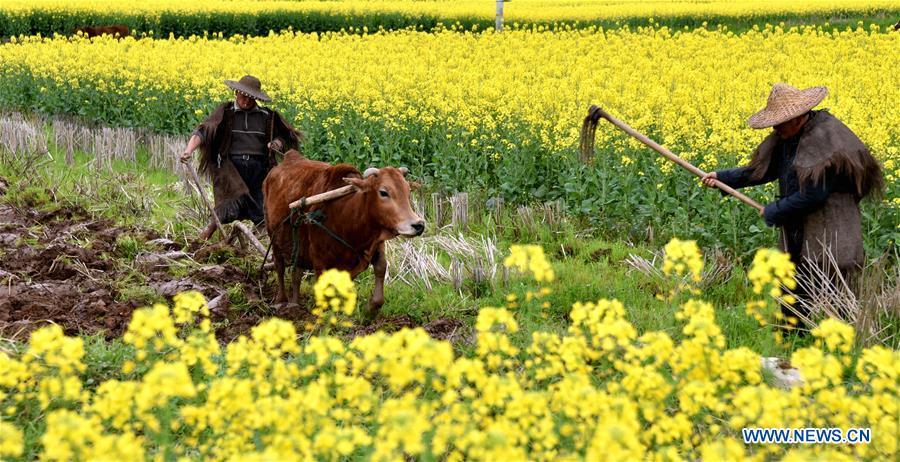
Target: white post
498, 25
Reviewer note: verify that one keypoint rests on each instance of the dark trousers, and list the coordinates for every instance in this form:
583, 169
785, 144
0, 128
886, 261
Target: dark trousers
253, 170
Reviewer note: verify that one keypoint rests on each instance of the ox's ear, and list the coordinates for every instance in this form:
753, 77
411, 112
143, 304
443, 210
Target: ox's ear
414, 185
358, 183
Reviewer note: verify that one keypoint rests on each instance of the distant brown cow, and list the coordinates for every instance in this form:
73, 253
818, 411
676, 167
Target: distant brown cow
96, 31
379, 210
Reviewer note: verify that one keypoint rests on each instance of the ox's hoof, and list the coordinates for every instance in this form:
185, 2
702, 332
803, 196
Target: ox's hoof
280, 305
369, 315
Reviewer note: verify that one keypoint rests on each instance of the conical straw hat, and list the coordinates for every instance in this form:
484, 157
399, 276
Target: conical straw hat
786, 102
249, 86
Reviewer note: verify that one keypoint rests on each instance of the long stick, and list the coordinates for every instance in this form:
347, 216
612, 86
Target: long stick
323, 197
190, 168
678, 160
253, 240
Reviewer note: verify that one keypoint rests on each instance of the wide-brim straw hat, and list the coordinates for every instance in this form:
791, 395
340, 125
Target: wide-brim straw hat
786, 102
249, 86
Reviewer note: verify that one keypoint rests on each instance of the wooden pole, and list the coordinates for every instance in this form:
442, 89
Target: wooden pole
190, 168
678, 160
249, 234
323, 197
498, 23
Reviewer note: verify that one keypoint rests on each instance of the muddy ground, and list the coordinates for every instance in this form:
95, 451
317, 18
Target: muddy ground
67, 267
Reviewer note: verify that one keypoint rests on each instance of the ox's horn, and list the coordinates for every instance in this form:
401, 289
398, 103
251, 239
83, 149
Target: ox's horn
370, 171
403, 170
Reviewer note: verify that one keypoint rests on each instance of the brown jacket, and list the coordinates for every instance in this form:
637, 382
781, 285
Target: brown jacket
229, 190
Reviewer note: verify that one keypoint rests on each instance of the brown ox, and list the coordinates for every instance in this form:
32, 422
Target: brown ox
120, 29
377, 211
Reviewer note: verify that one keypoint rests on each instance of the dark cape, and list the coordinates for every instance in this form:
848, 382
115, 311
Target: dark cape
830, 158
229, 191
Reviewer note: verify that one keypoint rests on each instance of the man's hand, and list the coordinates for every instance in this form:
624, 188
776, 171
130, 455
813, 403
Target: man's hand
276, 145
185, 157
709, 180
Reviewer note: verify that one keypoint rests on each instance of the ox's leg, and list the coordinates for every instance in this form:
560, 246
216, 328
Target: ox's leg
279, 271
296, 275
379, 266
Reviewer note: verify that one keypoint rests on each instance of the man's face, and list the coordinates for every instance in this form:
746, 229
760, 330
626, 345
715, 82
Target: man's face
243, 101
790, 128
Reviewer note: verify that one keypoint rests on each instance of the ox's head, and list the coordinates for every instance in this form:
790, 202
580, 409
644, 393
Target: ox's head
387, 200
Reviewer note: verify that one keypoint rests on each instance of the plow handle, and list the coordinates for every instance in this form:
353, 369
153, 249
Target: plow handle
212, 210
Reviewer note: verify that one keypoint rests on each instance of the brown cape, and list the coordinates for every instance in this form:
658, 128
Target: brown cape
827, 144
229, 190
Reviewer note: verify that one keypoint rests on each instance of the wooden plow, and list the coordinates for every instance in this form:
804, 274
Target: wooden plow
587, 148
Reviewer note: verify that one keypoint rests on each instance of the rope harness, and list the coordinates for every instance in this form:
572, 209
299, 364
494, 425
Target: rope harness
299, 217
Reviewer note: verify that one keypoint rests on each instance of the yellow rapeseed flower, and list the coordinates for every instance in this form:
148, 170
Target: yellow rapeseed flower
683, 257
335, 299
12, 441
530, 259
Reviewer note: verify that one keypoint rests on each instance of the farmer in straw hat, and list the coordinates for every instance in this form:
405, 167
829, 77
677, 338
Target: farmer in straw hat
237, 143
823, 171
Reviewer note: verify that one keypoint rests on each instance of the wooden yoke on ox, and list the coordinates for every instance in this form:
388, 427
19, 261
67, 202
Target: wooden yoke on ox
331, 195
324, 197
587, 148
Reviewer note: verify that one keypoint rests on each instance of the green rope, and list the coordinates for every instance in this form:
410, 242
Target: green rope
298, 218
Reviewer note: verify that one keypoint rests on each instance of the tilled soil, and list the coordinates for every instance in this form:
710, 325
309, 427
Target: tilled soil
57, 267
66, 267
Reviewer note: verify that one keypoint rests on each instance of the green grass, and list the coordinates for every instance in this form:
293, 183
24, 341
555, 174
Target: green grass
103, 359
129, 193
580, 279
